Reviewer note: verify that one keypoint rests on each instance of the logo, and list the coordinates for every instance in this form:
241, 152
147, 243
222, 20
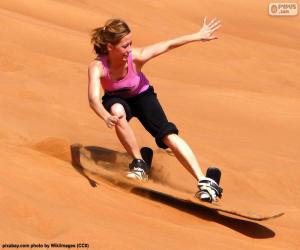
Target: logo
283, 9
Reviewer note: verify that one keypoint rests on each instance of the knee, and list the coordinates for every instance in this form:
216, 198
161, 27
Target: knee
166, 135
118, 110
169, 139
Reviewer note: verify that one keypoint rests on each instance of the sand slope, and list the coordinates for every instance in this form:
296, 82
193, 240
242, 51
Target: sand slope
235, 100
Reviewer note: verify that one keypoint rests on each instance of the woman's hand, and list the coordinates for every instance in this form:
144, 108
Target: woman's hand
111, 121
207, 30
142, 55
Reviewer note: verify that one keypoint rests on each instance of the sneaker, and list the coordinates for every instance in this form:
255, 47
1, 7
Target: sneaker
209, 190
138, 170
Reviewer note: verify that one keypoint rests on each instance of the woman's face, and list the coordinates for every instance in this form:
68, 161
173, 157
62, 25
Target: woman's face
122, 49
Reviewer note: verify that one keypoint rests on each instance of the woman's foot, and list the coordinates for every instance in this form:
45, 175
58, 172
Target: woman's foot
209, 190
138, 170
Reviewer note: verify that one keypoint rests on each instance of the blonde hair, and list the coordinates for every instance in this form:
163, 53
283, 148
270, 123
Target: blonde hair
112, 32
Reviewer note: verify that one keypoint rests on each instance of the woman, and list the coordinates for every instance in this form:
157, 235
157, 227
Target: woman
127, 93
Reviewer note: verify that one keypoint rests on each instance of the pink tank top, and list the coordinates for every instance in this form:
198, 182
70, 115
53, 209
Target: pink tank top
131, 85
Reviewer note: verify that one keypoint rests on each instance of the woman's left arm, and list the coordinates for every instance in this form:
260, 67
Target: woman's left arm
142, 55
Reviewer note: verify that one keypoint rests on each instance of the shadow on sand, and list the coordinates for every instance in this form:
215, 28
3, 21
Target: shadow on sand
112, 158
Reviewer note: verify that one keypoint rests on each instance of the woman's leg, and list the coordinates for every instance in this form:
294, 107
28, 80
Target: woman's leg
152, 116
125, 132
184, 154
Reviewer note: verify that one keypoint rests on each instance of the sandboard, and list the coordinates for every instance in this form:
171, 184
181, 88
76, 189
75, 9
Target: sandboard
89, 159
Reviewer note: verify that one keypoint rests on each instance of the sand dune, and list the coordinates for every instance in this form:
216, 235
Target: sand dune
235, 101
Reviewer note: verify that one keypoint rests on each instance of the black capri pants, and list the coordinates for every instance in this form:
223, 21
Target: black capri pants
148, 110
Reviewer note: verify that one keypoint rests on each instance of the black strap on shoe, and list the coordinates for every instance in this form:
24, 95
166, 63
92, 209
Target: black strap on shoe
212, 185
139, 163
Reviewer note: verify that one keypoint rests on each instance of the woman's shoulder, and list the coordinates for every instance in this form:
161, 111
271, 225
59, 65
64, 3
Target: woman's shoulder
96, 66
136, 53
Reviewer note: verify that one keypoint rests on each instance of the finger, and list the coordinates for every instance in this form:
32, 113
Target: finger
113, 119
215, 24
216, 28
116, 118
204, 21
209, 38
212, 21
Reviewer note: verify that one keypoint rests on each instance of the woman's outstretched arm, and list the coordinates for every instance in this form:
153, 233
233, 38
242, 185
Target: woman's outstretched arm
142, 55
